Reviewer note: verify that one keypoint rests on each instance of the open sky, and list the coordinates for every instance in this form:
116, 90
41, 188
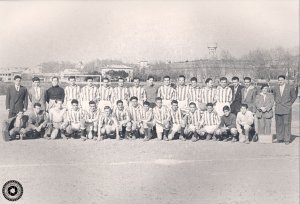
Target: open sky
32, 32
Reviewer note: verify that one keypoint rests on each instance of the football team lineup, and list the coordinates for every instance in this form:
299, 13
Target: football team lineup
240, 112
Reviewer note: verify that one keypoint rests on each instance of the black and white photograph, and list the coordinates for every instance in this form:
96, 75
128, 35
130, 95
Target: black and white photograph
149, 102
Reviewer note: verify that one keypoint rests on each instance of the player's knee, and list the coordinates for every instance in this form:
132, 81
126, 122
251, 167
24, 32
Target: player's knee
102, 131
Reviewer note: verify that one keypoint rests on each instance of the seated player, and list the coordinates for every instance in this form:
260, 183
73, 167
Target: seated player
161, 120
90, 122
56, 121
15, 127
227, 127
244, 123
192, 121
176, 119
146, 121
210, 122
37, 121
122, 116
74, 120
108, 125
135, 111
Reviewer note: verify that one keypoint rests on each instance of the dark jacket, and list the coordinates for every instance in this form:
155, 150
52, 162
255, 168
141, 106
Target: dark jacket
236, 99
16, 100
283, 104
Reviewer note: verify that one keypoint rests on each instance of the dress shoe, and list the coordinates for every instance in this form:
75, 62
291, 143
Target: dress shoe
146, 138
287, 142
247, 142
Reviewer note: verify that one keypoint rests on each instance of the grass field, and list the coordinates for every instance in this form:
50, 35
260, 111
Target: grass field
140, 172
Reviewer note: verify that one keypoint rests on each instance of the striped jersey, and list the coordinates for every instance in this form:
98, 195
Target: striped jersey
120, 93
138, 92
224, 95
208, 95
166, 92
161, 114
72, 92
147, 115
193, 94
105, 93
182, 92
210, 118
194, 118
91, 116
89, 93
74, 116
135, 113
107, 120
121, 115
175, 116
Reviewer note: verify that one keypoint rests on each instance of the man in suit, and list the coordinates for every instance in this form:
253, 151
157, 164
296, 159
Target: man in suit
36, 93
237, 95
249, 94
284, 96
16, 98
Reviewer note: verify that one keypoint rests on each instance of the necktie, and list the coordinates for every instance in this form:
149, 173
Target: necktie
17, 88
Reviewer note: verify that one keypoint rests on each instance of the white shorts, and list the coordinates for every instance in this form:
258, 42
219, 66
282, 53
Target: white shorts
219, 107
190, 128
102, 104
210, 129
176, 127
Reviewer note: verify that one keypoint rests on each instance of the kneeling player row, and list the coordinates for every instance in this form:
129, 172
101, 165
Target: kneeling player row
133, 121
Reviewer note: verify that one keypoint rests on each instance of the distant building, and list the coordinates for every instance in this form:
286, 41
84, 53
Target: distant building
8, 74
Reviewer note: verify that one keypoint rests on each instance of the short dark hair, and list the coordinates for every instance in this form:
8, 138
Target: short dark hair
192, 103
235, 78
167, 77
264, 85
136, 78
92, 102
181, 76
223, 79
208, 80
107, 107
119, 101
174, 101
209, 104
35, 79
194, 79
244, 105
37, 104
71, 77
88, 78
105, 78
226, 108
150, 77
74, 101
281, 76
133, 98
247, 78
120, 79
146, 103
55, 77
158, 99
17, 77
